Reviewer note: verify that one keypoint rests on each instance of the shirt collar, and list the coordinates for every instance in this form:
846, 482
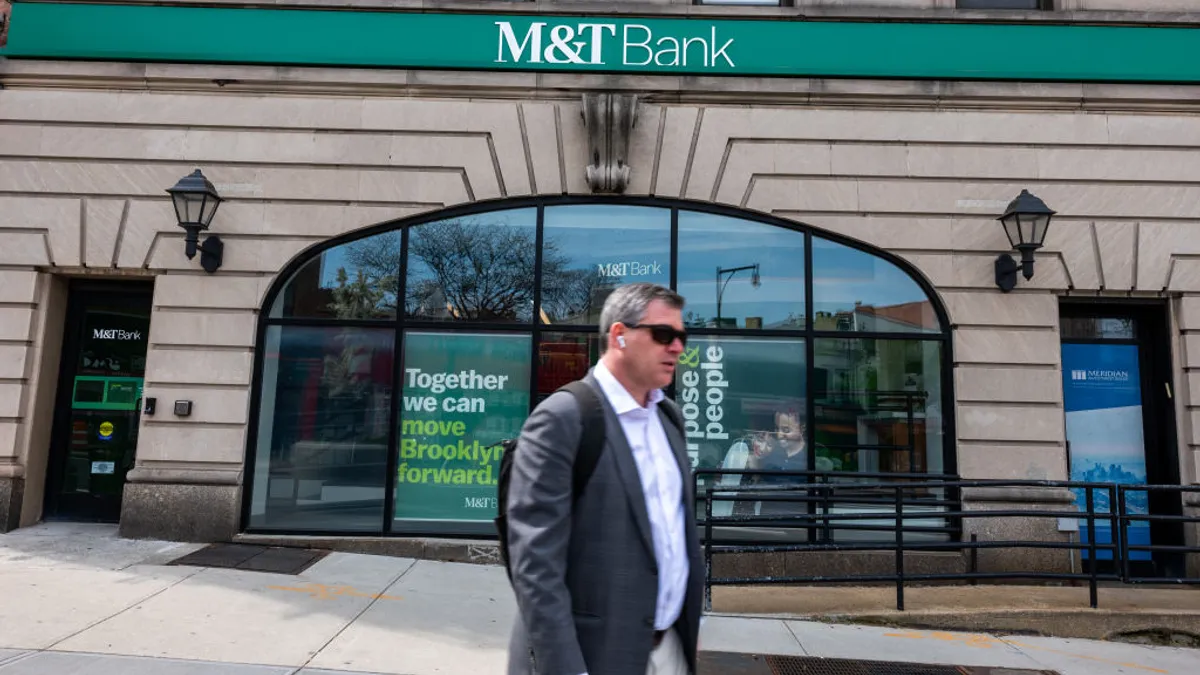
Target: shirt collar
620, 398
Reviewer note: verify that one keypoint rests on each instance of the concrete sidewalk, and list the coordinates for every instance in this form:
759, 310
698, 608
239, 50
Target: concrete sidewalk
76, 599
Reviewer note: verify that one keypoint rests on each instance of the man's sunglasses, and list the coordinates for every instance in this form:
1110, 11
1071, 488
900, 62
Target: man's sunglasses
662, 333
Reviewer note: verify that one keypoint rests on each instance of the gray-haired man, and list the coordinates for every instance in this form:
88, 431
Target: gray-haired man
609, 582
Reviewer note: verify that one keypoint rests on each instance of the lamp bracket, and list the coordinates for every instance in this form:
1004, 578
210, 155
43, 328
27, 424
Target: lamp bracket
1007, 268
212, 253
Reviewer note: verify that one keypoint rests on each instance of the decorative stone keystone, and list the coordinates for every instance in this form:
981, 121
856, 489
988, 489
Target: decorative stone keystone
609, 119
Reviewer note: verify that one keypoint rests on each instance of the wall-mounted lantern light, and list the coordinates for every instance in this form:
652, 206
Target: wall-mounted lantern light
196, 202
1025, 222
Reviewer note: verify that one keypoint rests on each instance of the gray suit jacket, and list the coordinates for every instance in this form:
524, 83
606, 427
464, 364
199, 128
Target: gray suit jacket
586, 580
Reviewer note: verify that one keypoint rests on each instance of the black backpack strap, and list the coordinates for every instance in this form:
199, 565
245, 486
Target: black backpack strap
672, 411
591, 441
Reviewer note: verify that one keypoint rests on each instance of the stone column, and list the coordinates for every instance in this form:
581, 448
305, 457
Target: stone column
1187, 376
30, 344
1010, 421
187, 482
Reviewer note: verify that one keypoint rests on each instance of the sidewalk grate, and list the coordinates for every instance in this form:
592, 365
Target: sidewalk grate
722, 663
253, 558
796, 665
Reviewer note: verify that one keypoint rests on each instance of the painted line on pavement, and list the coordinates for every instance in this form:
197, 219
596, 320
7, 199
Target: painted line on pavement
982, 641
358, 616
328, 592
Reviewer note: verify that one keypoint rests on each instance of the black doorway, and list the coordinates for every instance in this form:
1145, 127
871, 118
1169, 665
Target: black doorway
1117, 396
98, 404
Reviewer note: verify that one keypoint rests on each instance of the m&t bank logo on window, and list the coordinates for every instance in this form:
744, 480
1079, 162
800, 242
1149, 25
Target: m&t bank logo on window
632, 268
1100, 375
116, 334
595, 44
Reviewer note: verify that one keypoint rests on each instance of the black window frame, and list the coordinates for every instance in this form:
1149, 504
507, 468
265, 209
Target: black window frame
400, 324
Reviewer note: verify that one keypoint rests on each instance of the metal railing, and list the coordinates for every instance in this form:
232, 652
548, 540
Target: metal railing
1128, 518
907, 513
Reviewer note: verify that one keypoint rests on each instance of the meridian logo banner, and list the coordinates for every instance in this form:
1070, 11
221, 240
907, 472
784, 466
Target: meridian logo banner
1100, 375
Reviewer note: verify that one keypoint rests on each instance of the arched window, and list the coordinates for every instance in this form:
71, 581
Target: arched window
391, 361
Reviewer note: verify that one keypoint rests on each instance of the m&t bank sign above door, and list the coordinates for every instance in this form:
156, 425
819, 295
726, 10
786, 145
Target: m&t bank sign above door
601, 44
702, 45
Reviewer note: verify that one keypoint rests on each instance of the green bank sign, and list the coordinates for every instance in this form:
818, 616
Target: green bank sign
595, 43
535, 42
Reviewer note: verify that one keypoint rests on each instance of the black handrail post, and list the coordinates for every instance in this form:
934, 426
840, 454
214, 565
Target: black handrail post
899, 548
1123, 518
708, 541
912, 432
974, 558
1114, 520
826, 533
815, 482
1091, 530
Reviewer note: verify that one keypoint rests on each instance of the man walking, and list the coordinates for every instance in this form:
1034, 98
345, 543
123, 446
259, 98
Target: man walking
609, 581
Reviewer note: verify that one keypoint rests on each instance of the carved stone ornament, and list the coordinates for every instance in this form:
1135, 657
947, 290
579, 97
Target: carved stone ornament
609, 119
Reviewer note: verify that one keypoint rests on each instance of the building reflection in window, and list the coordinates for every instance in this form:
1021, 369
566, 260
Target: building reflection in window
322, 452
858, 292
878, 405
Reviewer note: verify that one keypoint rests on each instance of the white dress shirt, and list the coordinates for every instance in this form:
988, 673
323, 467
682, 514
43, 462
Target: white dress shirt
662, 486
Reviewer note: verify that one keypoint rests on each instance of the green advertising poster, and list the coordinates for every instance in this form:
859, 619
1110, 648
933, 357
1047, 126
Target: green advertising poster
743, 403
732, 390
463, 393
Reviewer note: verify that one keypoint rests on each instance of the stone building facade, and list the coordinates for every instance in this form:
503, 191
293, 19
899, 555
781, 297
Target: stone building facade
916, 168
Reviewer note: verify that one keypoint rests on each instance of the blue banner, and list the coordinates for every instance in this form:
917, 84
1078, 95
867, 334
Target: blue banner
1102, 395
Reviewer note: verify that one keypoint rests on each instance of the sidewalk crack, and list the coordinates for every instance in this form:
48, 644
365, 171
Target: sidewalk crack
795, 637
354, 619
124, 609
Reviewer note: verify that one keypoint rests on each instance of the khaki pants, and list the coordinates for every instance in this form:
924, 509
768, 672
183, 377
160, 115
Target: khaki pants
668, 658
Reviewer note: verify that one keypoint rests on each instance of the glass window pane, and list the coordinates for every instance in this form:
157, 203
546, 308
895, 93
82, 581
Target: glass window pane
473, 268
590, 249
856, 291
321, 457
564, 358
1098, 328
357, 280
878, 405
463, 393
743, 402
740, 274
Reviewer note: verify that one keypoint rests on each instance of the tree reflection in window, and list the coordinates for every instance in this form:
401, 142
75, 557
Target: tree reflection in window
374, 284
570, 295
470, 269
357, 280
